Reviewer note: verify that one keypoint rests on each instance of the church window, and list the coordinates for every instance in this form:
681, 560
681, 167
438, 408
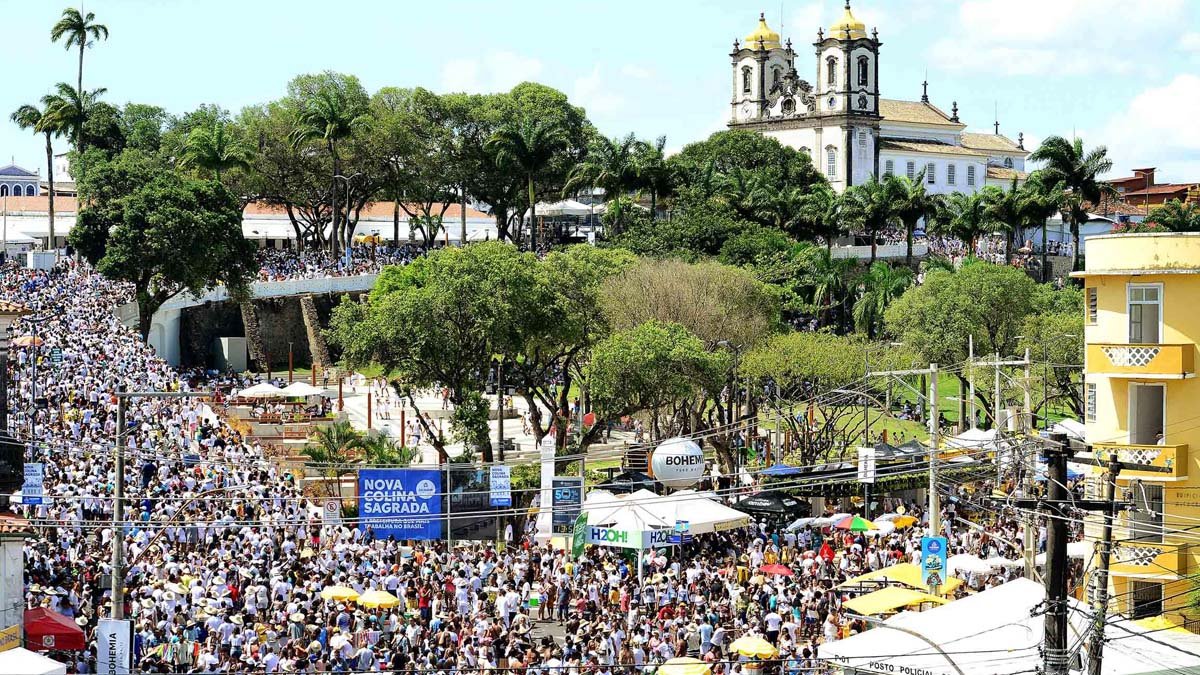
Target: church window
971, 174
911, 170
1008, 163
889, 167
3, 190
831, 161
862, 70
789, 106
831, 75
29, 191
950, 171
776, 78
746, 80
930, 173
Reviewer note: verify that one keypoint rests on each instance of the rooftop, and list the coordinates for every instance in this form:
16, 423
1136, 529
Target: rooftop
1161, 189
915, 112
996, 142
928, 146
13, 170
1002, 173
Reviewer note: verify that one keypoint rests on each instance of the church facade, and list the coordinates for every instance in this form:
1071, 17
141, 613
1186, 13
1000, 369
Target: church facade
851, 132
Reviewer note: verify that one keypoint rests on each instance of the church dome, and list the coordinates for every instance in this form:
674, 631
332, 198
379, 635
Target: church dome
857, 28
769, 38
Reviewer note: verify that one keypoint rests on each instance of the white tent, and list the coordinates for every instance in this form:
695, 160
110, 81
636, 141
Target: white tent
21, 660
702, 514
302, 389
1072, 428
567, 207
262, 390
973, 439
993, 632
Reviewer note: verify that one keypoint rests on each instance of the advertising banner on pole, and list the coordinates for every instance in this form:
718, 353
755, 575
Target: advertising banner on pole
401, 503
114, 642
500, 483
866, 465
933, 561
568, 503
579, 537
31, 489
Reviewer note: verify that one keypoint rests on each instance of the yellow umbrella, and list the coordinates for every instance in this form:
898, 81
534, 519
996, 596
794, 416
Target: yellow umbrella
754, 647
902, 522
339, 593
28, 341
684, 665
377, 598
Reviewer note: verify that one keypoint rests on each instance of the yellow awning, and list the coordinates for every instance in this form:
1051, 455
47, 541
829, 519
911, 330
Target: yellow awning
888, 599
904, 573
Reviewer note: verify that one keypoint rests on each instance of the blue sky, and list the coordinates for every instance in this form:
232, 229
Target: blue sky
1112, 71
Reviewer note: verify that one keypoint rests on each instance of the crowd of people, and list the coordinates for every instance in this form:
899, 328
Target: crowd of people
285, 264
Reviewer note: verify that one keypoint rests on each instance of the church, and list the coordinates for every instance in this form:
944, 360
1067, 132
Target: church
851, 134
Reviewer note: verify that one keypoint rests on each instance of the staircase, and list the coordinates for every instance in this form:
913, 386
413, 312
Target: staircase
316, 340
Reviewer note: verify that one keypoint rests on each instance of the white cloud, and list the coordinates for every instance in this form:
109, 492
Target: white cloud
1063, 37
1151, 132
592, 91
636, 72
1190, 42
498, 71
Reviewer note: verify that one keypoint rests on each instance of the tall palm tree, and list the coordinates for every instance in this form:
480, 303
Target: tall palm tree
382, 449
72, 107
828, 280
870, 206
966, 217
1004, 211
80, 31
332, 449
820, 214
527, 145
213, 149
655, 174
49, 122
1077, 172
912, 204
1177, 216
611, 165
329, 117
881, 284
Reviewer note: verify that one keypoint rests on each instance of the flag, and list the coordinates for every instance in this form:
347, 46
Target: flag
579, 537
826, 552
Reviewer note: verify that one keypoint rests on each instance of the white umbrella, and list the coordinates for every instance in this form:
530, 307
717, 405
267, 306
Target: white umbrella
302, 389
262, 390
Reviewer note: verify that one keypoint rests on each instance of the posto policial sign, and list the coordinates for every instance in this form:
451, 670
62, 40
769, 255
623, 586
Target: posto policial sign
678, 462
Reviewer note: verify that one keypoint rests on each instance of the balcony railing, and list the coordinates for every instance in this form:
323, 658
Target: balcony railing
1172, 457
1153, 360
1149, 559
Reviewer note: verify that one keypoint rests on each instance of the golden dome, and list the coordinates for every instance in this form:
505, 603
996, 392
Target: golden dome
857, 28
769, 38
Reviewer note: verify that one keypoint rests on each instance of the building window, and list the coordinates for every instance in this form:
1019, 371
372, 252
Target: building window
1093, 305
1146, 519
789, 106
3, 190
930, 173
746, 79
911, 171
831, 161
1091, 402
888, 167
1008, 163
971, 175
862, 70
831, 72
1145, 313
776, 78
950, 177
1147, 599
29, 191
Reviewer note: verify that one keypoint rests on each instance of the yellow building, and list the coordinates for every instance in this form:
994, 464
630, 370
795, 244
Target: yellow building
1142, 402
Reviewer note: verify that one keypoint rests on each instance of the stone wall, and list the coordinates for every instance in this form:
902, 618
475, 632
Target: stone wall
280, 321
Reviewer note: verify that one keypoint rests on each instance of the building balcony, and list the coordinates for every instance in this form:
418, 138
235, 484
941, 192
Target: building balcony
1172, 457
1167, 362
1149, 559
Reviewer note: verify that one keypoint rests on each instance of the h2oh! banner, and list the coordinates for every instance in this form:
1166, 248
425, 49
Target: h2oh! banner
401, 503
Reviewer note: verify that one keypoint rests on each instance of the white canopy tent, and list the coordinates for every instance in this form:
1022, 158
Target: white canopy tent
969, 631
302, 389
262, 390
21, 660
1072, 428
702, 514
567, 207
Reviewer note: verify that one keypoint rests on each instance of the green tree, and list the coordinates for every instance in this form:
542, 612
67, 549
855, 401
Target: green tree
870, 207
753, 245
527, 145
820, 214
877, 289
143, 126
147, 225
80, 31
1077, 172
611, 164
654, 172
73, 109
215, 149
966, 217
381, 450
1176, 216
691, 234
332, 449
48, 122
912, 204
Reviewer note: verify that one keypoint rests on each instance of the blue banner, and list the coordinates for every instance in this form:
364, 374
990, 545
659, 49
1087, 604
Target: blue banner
933, 561
401, 503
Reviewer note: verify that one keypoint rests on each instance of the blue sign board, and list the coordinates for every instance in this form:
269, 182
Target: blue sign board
933, 561
682, 534
567, 504
500, 484
401, 503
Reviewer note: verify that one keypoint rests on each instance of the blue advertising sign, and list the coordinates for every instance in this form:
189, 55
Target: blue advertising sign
401, 503
933, 561
500, 483
567, 504
682, 534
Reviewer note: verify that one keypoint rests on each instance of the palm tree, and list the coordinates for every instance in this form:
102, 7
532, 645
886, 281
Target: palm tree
654, 172
49, 123
72, 108
1004, 211
382, 450
330, 116
527, 145
1078, 173
213, 149
870, 206
877, 288
1177, 216
80, 31
966, 217
829, 281
912, 204
820, 213
332, 448
611, 165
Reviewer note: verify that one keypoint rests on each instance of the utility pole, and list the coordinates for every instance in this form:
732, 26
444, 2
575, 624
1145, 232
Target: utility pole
935, 502
117, 582
1029, 464
996, 398
866, 400
971, 379
1055, 641
1100, 578
499, 405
